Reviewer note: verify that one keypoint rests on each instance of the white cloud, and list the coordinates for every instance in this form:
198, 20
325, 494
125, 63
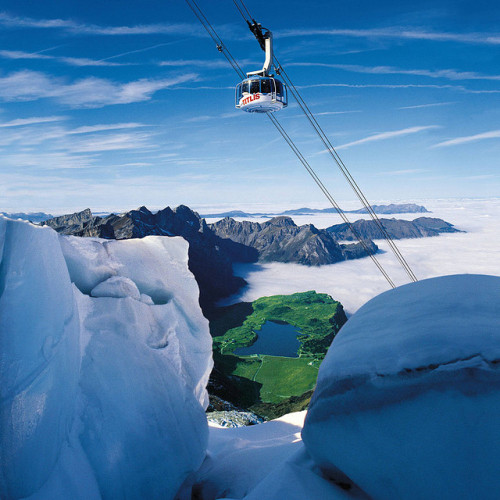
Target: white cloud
74, 27
216, 63
459, 88
72, 61
480, 177
46, 160
396, 33
101, 128
494, 134
111, 142
387, 135
450, 74
88, 92
356, 281
325, 113
35, 120
404, 171
44, 144
430, 105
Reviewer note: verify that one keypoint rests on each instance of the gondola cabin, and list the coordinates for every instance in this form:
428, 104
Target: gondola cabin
261, 94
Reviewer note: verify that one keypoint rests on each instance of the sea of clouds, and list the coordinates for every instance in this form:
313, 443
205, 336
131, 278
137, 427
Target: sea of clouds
355, 282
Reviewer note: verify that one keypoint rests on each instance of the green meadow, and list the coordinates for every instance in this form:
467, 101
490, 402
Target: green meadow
264, 378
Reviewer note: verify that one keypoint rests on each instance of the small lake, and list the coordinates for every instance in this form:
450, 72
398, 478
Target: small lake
274, 339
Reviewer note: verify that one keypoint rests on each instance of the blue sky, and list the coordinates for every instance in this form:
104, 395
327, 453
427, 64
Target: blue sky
113, 105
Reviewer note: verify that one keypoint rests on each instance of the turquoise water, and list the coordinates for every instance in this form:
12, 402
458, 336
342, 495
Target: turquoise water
275, 339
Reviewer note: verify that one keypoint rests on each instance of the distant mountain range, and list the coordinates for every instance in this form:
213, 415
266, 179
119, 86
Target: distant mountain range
396, 228
281, 240
31, 216
213, 248
403, 208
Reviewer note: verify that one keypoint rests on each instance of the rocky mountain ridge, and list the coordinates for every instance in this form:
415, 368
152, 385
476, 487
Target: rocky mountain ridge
208, 254
281, 240
396, 228
214, 248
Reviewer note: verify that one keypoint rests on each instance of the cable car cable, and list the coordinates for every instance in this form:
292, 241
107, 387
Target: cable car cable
346, 173
215, 37
330, 198
335, 156
288, 140
241, 12
248, 12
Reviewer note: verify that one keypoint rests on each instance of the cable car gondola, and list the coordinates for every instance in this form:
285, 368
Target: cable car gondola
262, 92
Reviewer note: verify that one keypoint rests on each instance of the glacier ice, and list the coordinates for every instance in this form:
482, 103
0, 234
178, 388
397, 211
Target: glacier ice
407, 398
39, 356
262, 462
104, 359
118, 287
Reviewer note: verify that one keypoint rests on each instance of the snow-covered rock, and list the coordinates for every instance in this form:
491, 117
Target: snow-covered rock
234, 418
408, 396
104, 359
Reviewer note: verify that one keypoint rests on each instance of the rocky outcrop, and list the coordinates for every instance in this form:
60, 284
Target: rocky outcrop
71, 223
396, 228
281, 240
234, 418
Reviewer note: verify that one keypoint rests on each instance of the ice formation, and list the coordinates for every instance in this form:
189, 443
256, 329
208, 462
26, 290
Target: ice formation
104, 359
407, 399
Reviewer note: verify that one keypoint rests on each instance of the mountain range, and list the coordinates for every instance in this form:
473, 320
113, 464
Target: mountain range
401, 208
214, 248
396, 228
281, 240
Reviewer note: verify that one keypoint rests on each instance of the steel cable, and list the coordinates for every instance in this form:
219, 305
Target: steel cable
222, 48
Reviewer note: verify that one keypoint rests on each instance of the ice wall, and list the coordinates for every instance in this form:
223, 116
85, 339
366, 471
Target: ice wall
104, 359
39, 356
408, 396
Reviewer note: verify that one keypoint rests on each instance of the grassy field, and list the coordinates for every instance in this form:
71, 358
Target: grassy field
274, 379
278, 377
